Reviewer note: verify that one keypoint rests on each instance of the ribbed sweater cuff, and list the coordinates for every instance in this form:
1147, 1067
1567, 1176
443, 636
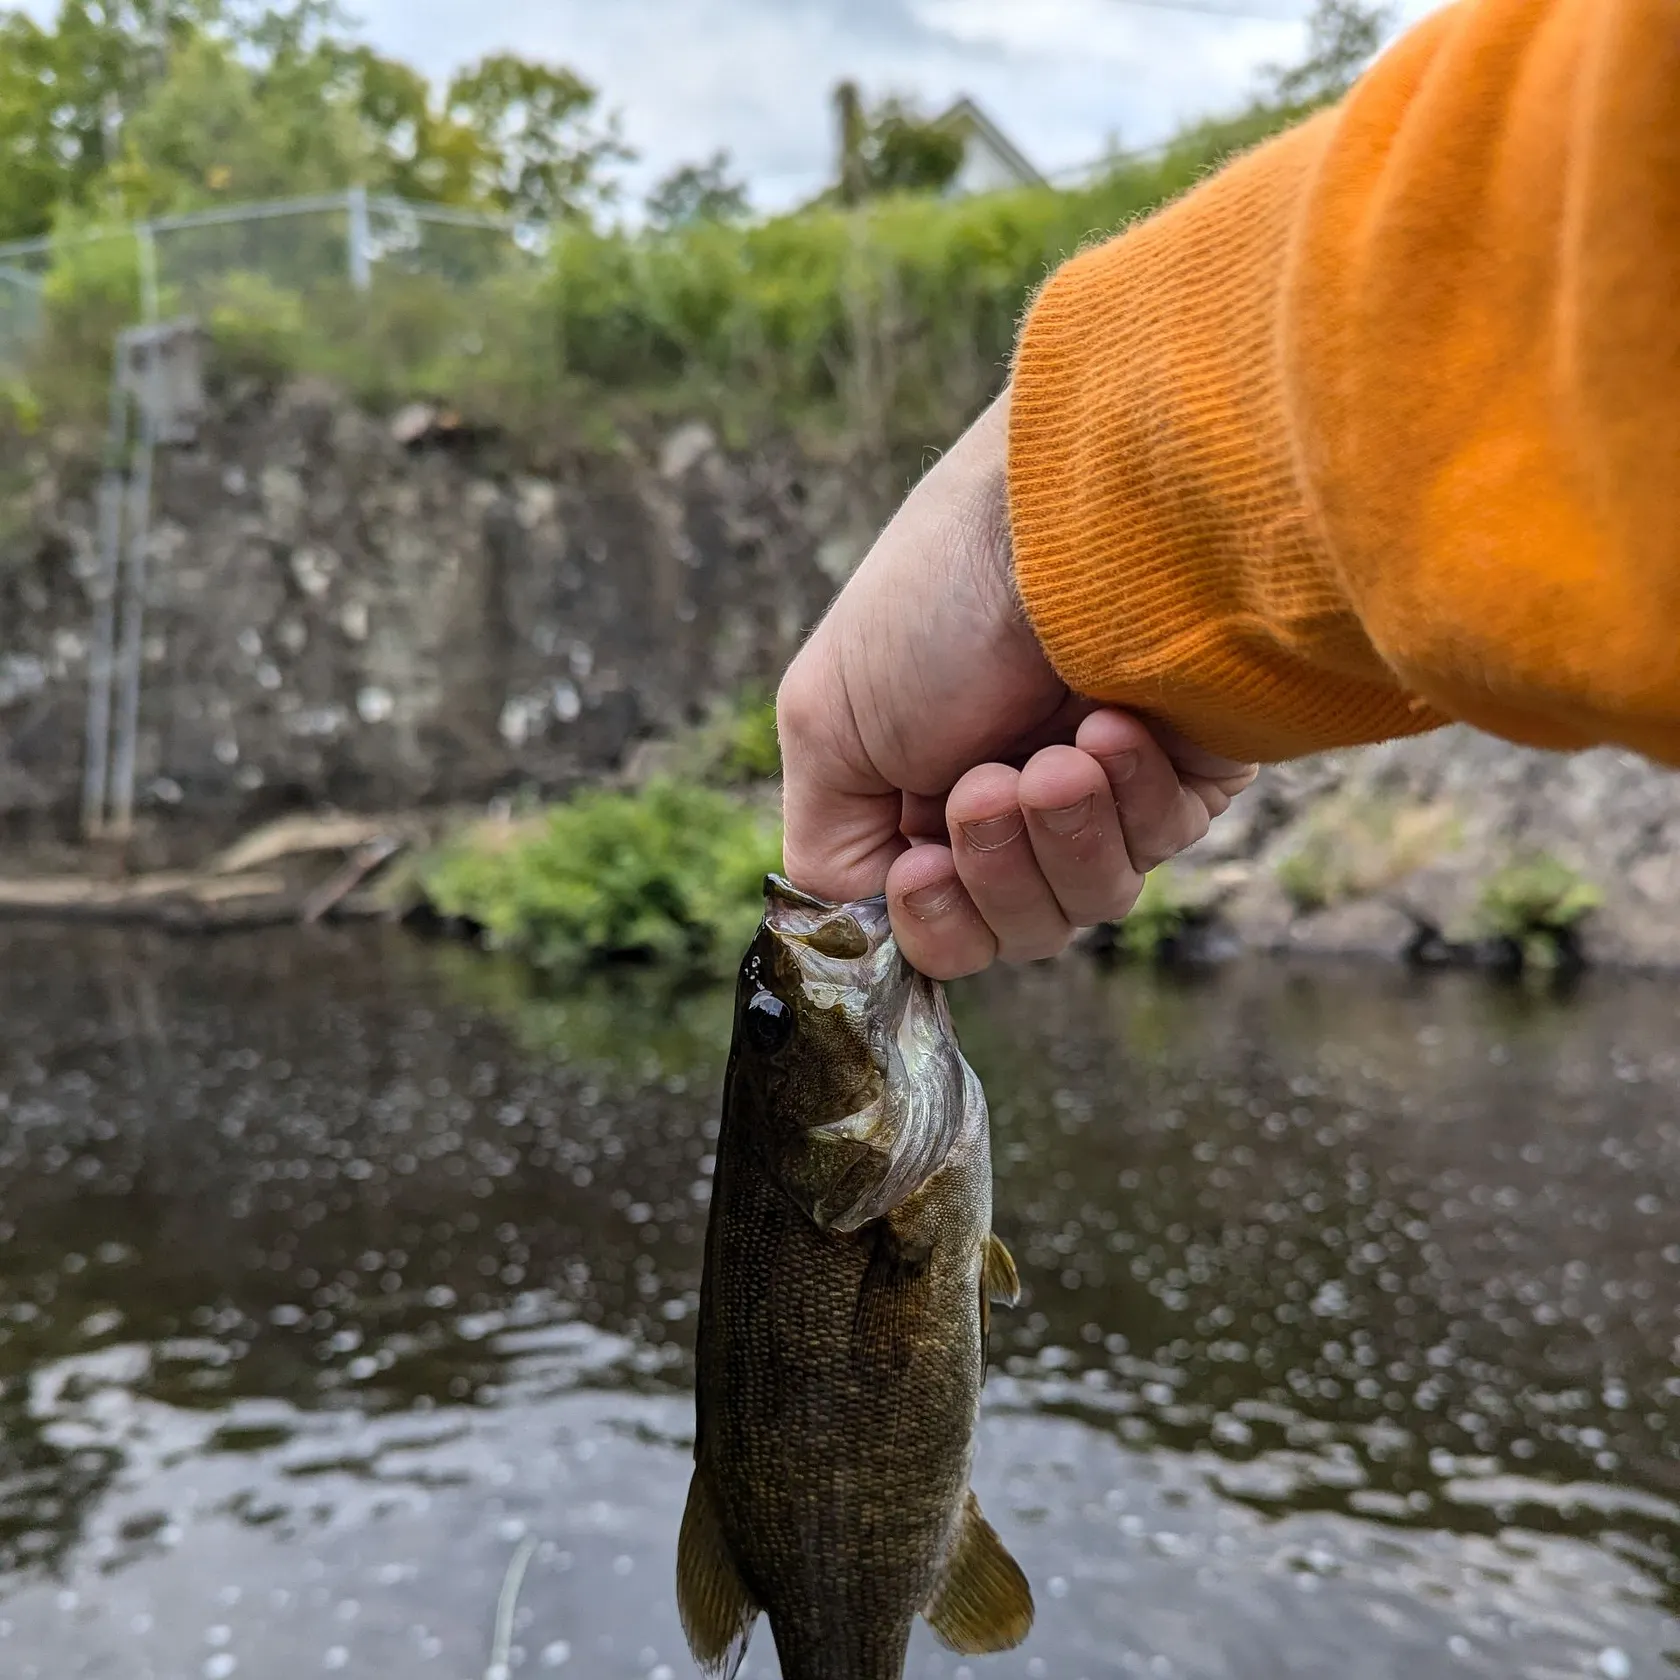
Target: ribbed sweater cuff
1165, 549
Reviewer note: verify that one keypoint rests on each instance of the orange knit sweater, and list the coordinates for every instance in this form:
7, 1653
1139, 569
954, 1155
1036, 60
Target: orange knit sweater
1380, 427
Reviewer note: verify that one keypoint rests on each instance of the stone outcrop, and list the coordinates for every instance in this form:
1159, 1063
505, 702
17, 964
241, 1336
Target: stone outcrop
371, 613
379, 614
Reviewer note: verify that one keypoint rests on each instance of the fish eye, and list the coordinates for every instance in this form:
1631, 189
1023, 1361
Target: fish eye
768, 1022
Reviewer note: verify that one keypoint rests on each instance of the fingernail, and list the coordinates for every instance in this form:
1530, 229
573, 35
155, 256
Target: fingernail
1070, 819
927, 902
992, 832
1122, 767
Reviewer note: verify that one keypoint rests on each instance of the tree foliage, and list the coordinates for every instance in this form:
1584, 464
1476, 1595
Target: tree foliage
546, 156
143, 106
1342, 38
892, 147
698, 192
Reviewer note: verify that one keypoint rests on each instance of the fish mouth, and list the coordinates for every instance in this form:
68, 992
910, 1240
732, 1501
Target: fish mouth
846, 931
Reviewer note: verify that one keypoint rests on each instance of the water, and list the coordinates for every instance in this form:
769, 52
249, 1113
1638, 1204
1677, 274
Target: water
335, 1270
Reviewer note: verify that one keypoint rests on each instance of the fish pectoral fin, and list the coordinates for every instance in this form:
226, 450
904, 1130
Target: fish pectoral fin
998, 1276
716, 1609
891, 1310
982, 1602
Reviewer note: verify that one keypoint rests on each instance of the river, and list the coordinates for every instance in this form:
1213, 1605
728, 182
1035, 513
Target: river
338, 1271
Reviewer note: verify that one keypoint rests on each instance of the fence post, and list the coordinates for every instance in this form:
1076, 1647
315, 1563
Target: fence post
360, 239
102, 643
132, 651
146, 238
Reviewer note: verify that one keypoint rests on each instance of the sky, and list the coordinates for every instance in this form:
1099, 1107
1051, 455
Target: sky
1062, 78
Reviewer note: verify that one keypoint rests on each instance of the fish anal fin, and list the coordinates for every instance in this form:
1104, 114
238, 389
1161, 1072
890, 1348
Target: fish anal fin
998, 1278
717, 1610
982, 1602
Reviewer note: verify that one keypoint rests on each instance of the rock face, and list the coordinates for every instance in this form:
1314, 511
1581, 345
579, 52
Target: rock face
382, 613
367, 613
1399, 842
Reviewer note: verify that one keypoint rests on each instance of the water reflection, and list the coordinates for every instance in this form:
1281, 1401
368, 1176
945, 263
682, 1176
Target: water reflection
331, 1265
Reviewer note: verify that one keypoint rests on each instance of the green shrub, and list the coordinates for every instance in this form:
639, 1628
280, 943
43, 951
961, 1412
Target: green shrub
256, 327
882, 329
672, 874
89, 295
1536, 905
1159, 917
752, 750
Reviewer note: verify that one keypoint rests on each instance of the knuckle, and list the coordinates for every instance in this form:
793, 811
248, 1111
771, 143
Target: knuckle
1150, 852
1124, 899
799, 705
1038, 947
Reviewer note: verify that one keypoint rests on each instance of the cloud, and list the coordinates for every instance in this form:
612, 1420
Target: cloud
1062, 77
755, 76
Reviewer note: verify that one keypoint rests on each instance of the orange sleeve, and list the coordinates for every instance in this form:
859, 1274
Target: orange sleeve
1380, 427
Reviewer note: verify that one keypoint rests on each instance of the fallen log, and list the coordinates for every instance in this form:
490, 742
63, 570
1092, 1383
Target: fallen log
330, 895
134, 898
296, 837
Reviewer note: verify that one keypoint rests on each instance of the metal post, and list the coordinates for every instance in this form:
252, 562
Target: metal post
361, 240
96, 768
132, 652
146, 239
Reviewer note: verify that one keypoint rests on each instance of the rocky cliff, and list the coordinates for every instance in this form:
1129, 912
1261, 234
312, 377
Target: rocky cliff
365, 613
377, 613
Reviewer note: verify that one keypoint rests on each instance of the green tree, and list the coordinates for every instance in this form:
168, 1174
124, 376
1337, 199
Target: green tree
422, 151
1343, 36
67, 90
218, 129
548, 153
698, 192
892, 148
143, 106
33, 174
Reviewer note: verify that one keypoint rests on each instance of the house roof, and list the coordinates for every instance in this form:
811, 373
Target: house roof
966, 116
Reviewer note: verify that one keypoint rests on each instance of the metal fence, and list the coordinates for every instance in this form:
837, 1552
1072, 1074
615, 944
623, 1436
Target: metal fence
151, 285
175, 264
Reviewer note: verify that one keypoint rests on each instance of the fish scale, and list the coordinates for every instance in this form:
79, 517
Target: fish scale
841, 1347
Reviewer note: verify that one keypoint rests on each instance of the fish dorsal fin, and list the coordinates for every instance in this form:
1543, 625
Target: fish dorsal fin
998, 1277
717, 1610
982, 1602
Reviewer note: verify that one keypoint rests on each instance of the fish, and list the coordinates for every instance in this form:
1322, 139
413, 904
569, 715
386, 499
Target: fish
845, 1307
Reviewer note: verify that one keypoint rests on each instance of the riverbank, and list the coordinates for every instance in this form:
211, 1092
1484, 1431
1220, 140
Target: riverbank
1453, 848
359, 615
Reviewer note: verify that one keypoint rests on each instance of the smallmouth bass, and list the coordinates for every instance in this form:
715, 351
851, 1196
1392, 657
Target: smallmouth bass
844, 1311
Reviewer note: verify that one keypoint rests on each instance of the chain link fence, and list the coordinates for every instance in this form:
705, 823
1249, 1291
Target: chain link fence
298, 247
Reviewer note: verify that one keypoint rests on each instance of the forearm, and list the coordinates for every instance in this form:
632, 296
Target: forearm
1378, 427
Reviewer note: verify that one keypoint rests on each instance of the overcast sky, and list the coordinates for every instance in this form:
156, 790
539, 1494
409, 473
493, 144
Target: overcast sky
1060, 77
688, 76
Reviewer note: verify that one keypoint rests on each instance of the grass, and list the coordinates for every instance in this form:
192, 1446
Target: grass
1535, 905
671, 874
1350, 848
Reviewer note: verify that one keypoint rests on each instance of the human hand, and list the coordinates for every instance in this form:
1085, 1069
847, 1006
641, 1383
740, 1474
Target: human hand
930, 751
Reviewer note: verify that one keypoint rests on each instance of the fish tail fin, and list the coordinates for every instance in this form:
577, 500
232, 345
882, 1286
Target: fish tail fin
982, 1602
717, 1611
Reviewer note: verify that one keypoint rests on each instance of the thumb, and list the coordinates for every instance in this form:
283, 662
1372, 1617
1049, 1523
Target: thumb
840, 815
